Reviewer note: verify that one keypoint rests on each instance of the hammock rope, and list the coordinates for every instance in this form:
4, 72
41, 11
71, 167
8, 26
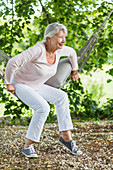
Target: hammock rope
87, 48
81, 53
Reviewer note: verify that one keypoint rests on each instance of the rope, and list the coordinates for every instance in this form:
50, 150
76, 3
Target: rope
104, 22
85, 48
81, 53
87, 55
5, 54
2, 77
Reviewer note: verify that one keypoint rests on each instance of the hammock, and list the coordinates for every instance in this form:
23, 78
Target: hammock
83, 53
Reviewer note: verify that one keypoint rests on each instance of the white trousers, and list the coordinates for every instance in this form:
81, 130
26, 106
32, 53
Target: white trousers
38, 101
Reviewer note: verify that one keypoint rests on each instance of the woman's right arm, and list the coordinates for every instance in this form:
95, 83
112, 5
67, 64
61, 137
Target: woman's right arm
19, 60
11, 67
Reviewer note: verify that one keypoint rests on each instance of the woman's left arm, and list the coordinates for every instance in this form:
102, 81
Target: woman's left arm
70, 52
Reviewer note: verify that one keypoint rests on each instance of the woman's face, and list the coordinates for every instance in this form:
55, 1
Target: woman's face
58, 40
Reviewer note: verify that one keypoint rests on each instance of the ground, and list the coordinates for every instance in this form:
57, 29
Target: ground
95, 139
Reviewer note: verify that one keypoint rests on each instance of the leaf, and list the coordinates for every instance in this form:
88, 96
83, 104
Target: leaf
111, 72
109, 80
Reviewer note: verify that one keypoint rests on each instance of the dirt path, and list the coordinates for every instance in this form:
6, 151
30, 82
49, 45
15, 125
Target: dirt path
94, 138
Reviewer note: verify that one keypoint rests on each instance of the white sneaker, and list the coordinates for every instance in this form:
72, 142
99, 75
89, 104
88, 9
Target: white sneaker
29, 151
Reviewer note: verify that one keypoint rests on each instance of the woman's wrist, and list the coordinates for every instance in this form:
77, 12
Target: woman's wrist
74, 71
8, 84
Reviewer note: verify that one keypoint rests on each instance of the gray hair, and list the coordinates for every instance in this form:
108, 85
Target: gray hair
53, 28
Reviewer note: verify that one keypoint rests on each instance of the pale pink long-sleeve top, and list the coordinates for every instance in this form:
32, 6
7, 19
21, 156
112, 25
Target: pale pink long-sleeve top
31, 67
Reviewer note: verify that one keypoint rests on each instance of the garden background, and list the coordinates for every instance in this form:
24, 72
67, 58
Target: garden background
22, 24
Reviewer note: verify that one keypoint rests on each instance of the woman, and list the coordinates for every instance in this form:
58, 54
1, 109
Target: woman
37, 64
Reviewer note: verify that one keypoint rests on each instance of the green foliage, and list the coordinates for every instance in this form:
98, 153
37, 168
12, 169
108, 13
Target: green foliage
108, 109
110, 71
20, 25
109, 80
81, 103
83, 107
52, 115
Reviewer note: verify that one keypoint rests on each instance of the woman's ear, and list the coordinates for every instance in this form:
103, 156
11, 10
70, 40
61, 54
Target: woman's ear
48, 38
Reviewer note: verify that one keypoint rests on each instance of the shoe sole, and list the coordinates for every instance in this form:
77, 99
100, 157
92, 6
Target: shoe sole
69, 149
29, 156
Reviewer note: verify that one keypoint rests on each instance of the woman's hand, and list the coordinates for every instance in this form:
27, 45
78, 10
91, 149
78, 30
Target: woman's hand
75, 75
10, 88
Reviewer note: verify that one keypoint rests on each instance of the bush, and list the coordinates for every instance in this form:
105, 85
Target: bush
108, 109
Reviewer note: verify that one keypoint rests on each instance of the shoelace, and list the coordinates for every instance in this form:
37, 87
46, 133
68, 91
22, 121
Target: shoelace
74, 146
31, 148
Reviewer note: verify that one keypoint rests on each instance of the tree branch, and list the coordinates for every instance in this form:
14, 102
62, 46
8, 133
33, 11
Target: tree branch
11, 44
43, 9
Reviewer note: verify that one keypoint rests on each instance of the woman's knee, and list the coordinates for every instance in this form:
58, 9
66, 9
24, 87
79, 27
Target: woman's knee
62, 97
32, 99
44, 108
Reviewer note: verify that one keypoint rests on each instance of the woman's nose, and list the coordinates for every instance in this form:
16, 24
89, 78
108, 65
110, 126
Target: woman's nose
63, 40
